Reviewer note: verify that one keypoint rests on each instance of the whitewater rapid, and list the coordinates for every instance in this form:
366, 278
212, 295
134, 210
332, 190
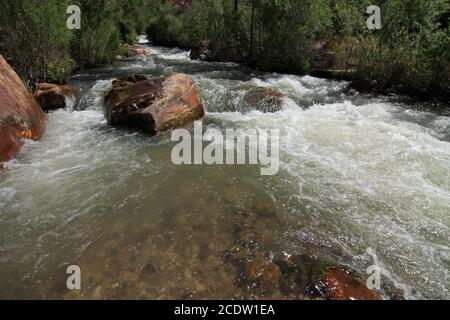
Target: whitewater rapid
364, 180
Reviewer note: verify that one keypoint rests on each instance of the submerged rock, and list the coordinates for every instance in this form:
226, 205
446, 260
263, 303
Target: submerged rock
362, 86
20, 115
137, 50
264, 273
300, 274
263, 99
54, 96
153, 105
339, 285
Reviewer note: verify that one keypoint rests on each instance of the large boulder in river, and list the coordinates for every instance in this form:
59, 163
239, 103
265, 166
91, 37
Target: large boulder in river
20, 115
263, 99
153, 105
53, 96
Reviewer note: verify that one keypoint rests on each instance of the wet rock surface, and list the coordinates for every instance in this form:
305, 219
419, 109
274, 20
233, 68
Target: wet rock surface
362, 86
54, 96
20, 115
153, 105
137, 50
201, 51
339, 285
264, 99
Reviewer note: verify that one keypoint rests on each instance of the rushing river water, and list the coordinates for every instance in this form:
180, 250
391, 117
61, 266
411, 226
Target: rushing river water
363, 180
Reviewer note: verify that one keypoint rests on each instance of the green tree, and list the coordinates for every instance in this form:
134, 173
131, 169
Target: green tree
35, 38
98, 40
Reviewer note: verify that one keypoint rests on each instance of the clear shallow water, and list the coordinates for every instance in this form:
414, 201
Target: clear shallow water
363, 180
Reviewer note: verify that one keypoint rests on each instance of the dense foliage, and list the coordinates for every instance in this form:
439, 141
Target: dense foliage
410, 53
34, 36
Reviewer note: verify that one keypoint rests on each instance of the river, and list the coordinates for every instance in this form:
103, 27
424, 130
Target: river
363, 181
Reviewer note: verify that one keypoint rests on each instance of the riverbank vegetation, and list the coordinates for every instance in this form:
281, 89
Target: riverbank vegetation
35, 39
410, 54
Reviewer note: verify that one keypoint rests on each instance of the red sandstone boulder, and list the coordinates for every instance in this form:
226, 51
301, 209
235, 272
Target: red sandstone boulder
341, 286
153, 105
20, 115
53, 96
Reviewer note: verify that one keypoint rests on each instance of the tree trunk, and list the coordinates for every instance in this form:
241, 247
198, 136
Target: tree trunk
252, 31
236, 26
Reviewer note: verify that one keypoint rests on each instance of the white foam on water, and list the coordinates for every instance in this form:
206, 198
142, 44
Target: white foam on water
134, 64
352, 176
313, 81
70, 102
142, 39
284, 83
170, 54
383, 181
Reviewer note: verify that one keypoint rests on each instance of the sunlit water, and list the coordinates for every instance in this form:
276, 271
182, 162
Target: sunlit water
363, 181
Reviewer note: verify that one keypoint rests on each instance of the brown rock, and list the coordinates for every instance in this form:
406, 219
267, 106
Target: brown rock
201, 51
263, 99
137, 51
263, 272
341, 286
117, 289
53, 96
20, 115
300, 273
271, 276
255, 268
153, 105
362, 86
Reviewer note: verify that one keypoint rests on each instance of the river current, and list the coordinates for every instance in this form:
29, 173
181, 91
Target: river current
363, 181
